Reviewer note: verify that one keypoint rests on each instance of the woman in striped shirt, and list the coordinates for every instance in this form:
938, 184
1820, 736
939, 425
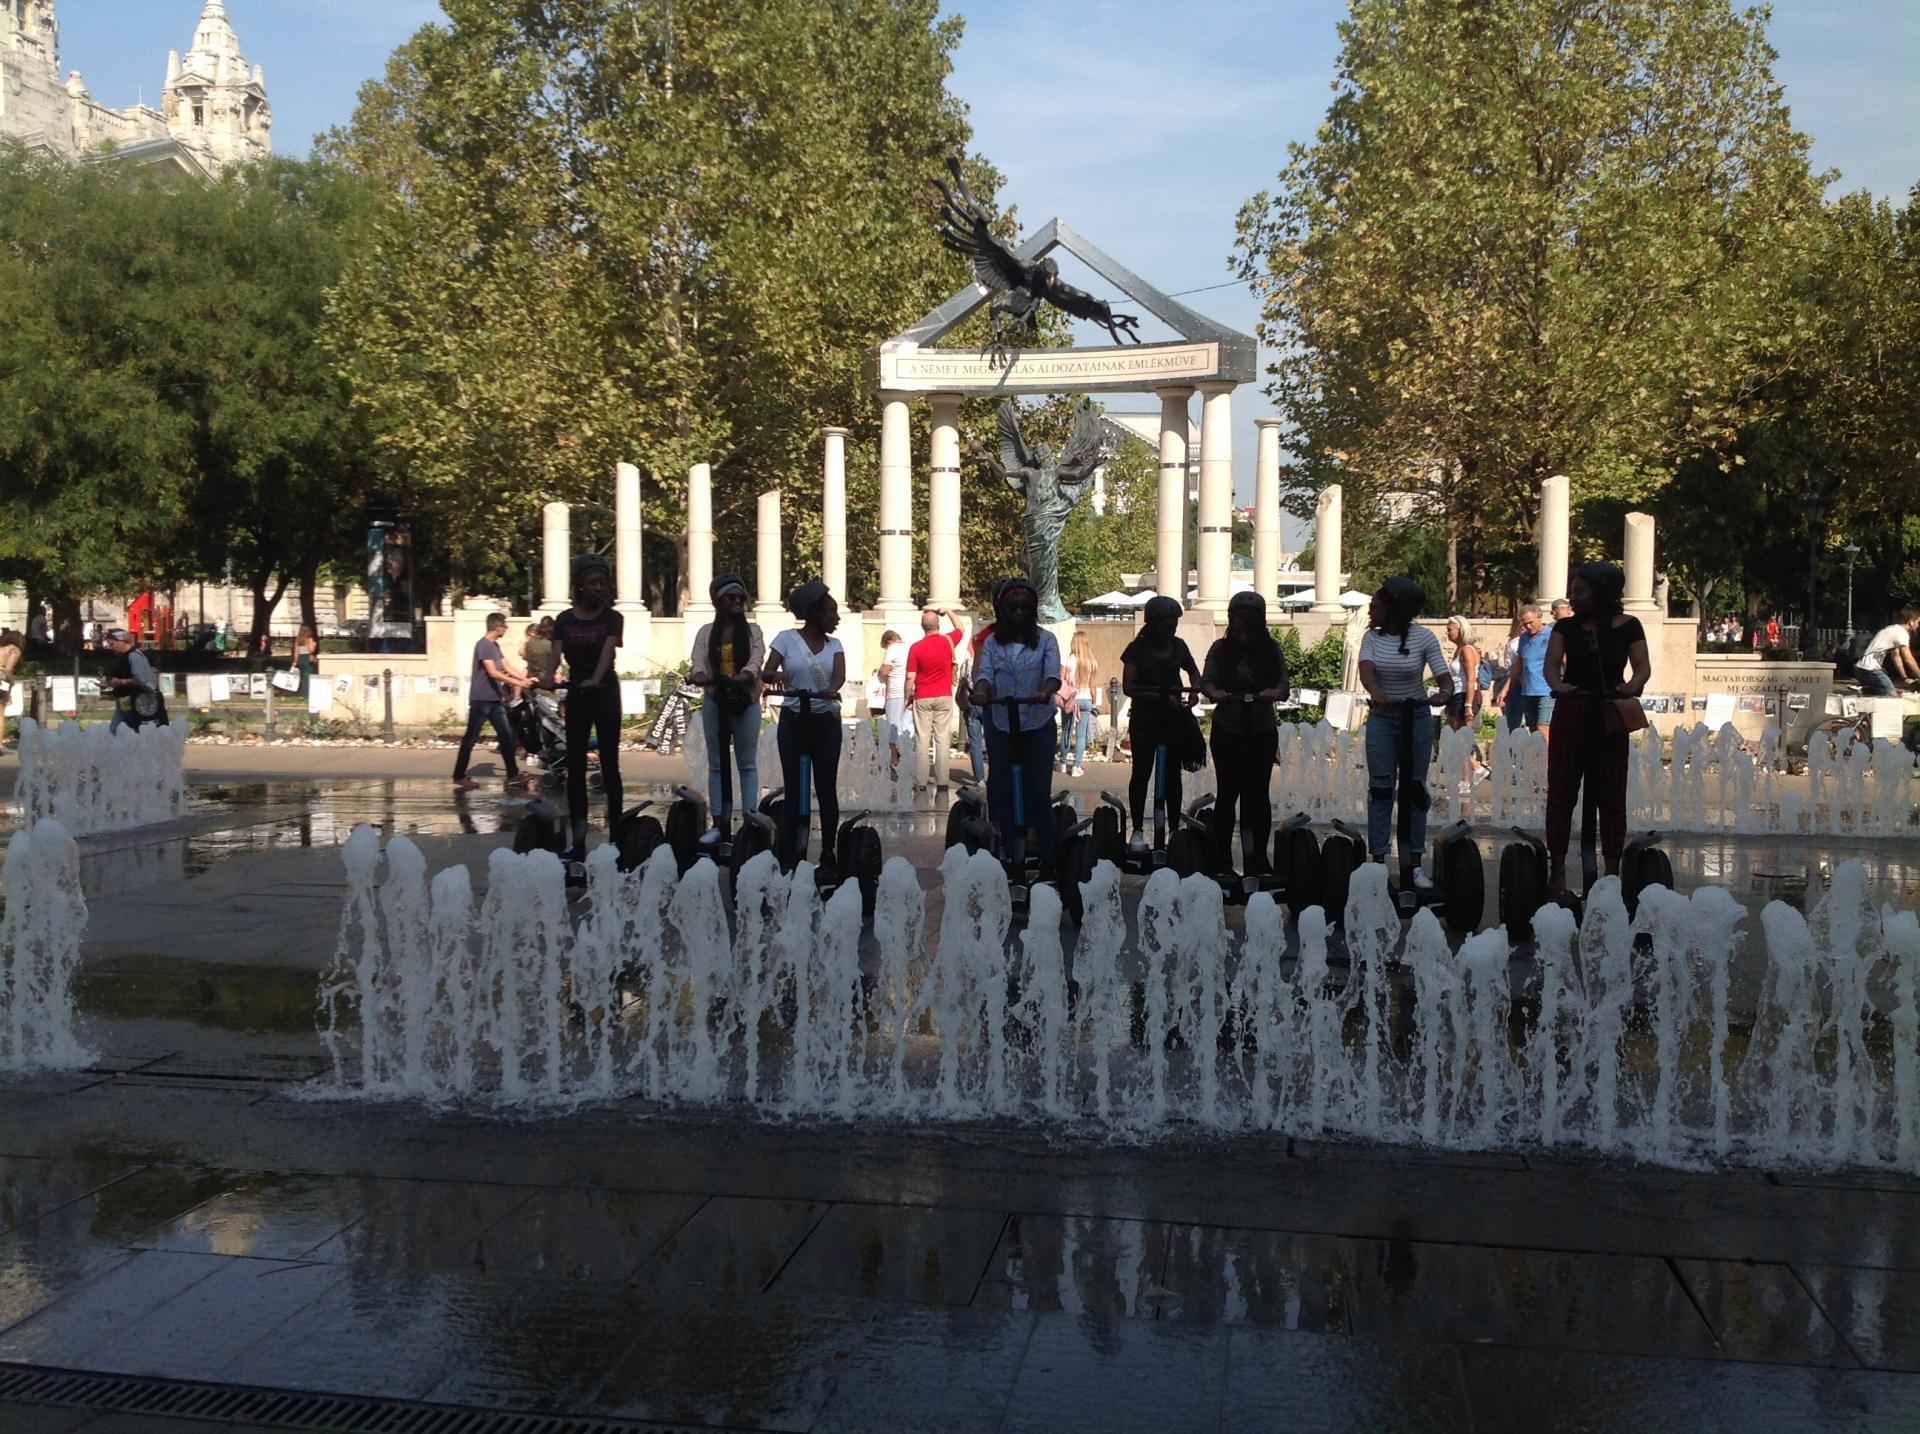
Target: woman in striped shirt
1395, 656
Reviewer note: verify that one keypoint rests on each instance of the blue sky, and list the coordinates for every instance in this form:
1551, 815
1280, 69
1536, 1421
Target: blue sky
1143, 125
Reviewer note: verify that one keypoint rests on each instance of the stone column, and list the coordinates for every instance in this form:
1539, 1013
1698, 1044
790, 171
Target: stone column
627, 587
833, 513
1215, 557
1266, 510
556, 559
1170, 546
699, 547
771, 601
896, 511
943, 504
1639, 551
1554, 536
1326, 550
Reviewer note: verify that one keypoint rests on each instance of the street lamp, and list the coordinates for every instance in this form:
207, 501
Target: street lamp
1852, 550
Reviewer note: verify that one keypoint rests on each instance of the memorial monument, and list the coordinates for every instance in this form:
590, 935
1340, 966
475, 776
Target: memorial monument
1053, 489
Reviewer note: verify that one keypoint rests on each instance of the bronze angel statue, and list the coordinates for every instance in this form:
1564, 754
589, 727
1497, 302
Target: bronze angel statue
1019, 287
1052, 488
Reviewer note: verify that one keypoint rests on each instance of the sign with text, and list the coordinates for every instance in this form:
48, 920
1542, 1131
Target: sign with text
1143, 367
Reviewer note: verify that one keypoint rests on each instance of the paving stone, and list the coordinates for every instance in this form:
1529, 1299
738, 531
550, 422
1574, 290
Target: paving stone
66, 1331
265, 1216
534, 1343
32, 1185
422, 1226
1266, 1278
206, 1326
894, 1252
1079, 1264
1763, 1313
734, 1243
376, 1334
1104, 1374
583, 1234
937, 1371
1877, 1312
1306, 1382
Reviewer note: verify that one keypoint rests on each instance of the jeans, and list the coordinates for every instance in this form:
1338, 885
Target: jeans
1243, 768
977, 744
743, 731
595, 711
1034, 751
1383, 732
1873, 682
479, 714
932, 740
1532, 713
817, 734
1074, 729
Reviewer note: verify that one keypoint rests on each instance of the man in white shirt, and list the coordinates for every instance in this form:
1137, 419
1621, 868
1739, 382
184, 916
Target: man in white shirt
1889, 655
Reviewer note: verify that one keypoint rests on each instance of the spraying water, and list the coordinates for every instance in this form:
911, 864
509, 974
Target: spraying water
1617, 1037
40, 949
93, 779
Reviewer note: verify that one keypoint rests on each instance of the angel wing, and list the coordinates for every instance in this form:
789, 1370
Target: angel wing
964, 229
1013, 451
1086, 447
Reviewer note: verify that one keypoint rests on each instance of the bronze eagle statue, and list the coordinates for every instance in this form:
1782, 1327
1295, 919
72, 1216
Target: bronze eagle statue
1019, 287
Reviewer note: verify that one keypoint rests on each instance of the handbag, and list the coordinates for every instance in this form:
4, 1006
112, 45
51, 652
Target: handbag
1621, 716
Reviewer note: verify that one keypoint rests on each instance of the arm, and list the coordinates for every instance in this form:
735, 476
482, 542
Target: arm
770, 669
1282, 688
1470, 664
1370, 680
1556, 662
505, 676
1640, 670
984, 671
1210, 677
839, 675
605, 664
701, 672
909, 689
961, 627
1437, 665
1051, 683
1906, 663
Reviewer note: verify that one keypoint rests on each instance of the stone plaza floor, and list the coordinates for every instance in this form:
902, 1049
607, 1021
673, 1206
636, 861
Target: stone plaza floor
189, 1238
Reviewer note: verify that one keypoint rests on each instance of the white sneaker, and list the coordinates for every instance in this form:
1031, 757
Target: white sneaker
1421, 881
710, 837
1079, 771
1139, 842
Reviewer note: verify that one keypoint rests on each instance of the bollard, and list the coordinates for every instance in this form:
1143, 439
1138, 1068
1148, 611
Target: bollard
386, 698
271, 690
1113, 720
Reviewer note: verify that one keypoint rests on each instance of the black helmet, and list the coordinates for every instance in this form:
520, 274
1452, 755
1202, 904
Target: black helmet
590, 562
1162, 607
1608, 582
1404, 597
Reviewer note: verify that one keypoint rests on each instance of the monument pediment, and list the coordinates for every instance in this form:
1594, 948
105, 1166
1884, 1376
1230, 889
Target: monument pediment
910, 362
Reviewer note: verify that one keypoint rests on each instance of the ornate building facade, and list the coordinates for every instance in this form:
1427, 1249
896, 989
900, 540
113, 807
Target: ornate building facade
213, 105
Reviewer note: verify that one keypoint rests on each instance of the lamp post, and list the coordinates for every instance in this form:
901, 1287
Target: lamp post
1852, 550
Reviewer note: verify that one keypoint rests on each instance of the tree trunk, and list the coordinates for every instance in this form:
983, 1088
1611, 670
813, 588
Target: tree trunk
309, 583
262, 607
66, 622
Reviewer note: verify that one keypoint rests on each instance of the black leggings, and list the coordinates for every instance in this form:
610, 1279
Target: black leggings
1146, 739
597, 712
822, 745
1243, 766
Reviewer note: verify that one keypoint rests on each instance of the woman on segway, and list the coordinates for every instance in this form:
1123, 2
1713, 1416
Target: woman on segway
586, 635
1586, 661
1245, 734
1395, 656
1154, 668
727, 656
1021, 659
810, 658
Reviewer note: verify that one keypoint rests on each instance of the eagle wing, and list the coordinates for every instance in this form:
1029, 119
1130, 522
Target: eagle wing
1086, 447
965, 230
1013, 452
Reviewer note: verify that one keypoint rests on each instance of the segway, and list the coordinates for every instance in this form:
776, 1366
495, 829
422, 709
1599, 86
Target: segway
1190, 840
732, 850
857, 853
1022, 870
1523, 884
1342, 853
686, 822
967, 822
1145, 863
1297, 868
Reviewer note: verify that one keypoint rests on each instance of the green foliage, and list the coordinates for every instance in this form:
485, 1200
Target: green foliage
1319, 668
1531, 237
668, 234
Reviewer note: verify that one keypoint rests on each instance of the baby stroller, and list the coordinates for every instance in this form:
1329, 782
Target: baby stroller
538, 727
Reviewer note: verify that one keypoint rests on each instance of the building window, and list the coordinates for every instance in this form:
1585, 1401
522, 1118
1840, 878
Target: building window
199, 115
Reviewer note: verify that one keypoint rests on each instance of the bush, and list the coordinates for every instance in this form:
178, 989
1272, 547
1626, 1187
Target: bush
1318, 667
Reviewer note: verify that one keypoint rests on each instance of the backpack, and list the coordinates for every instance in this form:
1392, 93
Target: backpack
1490, 673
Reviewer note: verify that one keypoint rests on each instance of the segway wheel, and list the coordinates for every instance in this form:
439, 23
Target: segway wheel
1076, 865
1648, 866
1523, 888
749, 842
1109, 842
638, 837
683, 832
772, 803
861, 860
1465, 884
1186, 852
1297, 861
535, 833
1340, 857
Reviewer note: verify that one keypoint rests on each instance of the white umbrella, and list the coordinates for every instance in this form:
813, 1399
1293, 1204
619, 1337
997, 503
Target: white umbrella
1302, 598
1354, 598
1112, 599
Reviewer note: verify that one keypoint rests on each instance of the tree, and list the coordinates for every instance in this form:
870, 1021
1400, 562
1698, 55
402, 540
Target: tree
1532, 236
662, 233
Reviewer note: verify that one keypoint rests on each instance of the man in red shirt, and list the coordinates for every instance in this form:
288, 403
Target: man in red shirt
930, 695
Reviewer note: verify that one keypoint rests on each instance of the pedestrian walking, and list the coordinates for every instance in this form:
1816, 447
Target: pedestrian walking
1889, 656
1524, 694
136, 692
929, 696
487, 690
1596, 658
1079, 693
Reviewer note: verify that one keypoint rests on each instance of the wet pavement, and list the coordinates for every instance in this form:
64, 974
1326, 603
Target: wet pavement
185, 1211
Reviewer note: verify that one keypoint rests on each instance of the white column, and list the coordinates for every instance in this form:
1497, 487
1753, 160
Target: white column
1554, 536
1326, 550
627, 587
896, 510
1216, 498
1170, 545
699, 546
1266, 509
1639, 551
772, 597
556, 558
833, 513
943, 504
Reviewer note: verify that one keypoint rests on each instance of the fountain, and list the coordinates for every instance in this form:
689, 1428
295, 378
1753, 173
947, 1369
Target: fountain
40, 949
94, 779
1620, 1040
